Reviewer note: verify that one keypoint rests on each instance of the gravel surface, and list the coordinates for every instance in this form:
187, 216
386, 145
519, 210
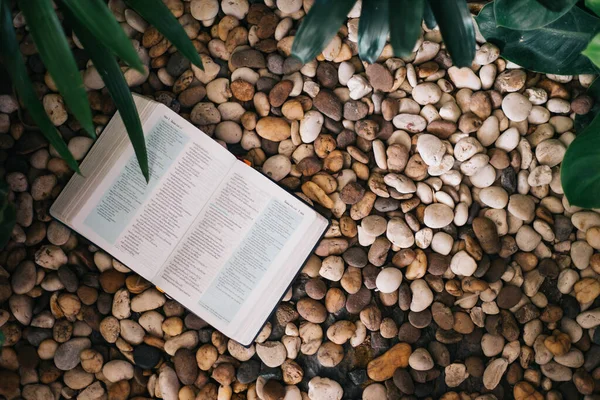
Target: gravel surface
455, 267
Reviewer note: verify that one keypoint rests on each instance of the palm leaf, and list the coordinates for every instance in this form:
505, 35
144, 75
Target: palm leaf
405, 25
319, 26
54, 50
108, 68
430, 21
373, 28
97, 18
13, 61
457, 29
156, 13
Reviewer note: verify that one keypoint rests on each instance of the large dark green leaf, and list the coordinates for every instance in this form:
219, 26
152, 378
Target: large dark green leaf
319, 26
13, 62
373, 28
580, 169
527, 15
430, 21
54, 50
405, 25
157, 13
592, 51
107, 66
582, 121
555, 49
554, 5
97, 18
456, 25
593, 5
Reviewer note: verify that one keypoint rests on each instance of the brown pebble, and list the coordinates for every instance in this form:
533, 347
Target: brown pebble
487, 234
509, 296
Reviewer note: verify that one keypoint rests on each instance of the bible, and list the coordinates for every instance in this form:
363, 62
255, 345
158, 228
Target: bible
210, 231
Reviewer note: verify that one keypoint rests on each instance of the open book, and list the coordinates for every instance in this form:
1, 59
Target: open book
210, 231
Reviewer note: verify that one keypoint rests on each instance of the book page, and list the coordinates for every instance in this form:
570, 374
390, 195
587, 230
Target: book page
239, 246
140, 223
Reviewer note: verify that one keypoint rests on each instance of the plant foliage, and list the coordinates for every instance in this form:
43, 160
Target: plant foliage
526, 15
401, 18
103, 39
580, 174
555, 48
557, 37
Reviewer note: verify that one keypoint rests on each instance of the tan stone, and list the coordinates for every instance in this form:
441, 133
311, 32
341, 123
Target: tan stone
273, 128
382, 368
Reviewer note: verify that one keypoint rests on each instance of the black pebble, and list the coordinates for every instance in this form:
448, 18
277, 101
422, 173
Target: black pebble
358, 376
146, 357
570, 306
177, 64
508, 180
68, 278
248, 371
596, 338
271, 373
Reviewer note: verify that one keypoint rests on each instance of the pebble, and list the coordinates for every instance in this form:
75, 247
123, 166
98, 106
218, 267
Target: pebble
422, 296
420, 360
389, 280
324, 389
384, 366
516, 107
493, 373
146, 357
438, 216
54, 106
464, 78
168, 384
67, 354
431, 149
272, 354
426, 93
117, 370
463, 264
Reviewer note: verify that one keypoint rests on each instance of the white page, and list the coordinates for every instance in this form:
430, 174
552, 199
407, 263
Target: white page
239, 245
139, 223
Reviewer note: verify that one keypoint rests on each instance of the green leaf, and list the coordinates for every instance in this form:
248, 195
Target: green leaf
527, 15
582, 121
430, 21
592, 51
579, 173
554, 5
97, 18
54, 50
13, 62
405, 25
107, 66
373, 28
555, 48
319, 26
593, 5
456, 26
157, 13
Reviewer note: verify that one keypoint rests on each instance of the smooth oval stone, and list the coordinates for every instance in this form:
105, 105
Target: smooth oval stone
146, 357
509, 296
